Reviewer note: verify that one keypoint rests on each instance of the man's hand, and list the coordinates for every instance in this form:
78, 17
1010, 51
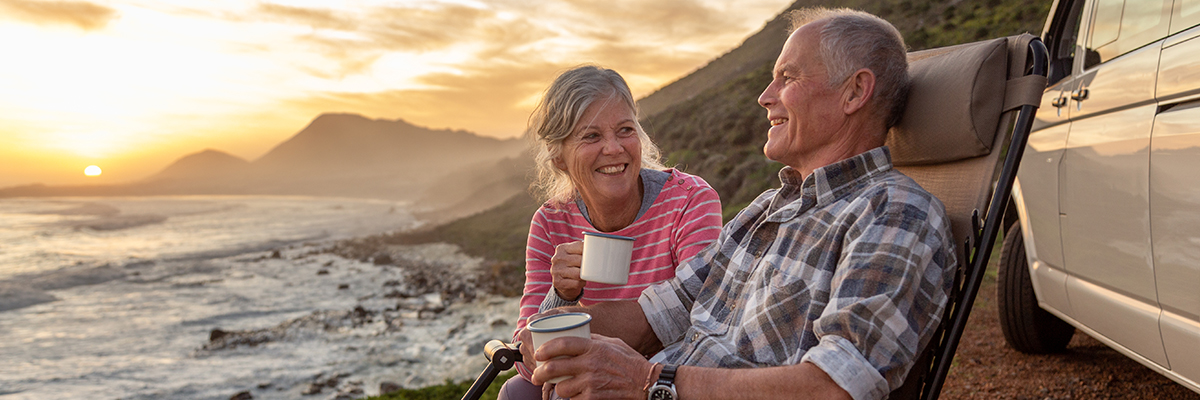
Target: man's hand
600, 368
564, 268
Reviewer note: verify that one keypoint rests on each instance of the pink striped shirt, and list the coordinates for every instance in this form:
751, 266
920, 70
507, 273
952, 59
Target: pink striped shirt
684, 219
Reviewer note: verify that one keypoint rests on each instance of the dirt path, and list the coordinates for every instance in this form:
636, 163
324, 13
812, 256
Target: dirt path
986, 368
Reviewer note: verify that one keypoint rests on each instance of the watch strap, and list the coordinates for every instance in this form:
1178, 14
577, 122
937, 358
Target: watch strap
667, 375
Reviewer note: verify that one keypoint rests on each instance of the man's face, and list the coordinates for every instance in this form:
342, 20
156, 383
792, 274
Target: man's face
805, 112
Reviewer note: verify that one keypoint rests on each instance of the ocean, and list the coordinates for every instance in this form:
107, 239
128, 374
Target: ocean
127, 297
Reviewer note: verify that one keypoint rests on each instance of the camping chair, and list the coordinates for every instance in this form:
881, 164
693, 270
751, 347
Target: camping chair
964, 103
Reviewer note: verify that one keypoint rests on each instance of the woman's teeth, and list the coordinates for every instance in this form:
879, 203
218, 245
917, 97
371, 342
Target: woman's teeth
612, 169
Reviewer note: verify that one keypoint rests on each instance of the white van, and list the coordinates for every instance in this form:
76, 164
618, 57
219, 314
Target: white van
1105, 220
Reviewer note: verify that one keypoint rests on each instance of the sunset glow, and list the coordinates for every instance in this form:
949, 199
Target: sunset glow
91, 170
139, 84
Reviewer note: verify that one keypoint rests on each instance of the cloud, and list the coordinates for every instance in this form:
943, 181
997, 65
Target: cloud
682, 20
414, 29
81, 14
317, 18
487, 99
355, 40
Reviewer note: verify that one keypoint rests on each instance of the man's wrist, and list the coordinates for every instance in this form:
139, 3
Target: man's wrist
664, 385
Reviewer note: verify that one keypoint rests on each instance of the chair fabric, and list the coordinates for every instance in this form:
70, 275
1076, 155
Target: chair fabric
960, 113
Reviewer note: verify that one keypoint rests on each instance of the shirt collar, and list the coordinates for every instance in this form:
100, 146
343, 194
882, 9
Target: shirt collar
832, 181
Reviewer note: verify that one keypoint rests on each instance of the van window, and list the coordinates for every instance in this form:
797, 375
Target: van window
1062, 38
1120, 26
1186, 15
1107, 22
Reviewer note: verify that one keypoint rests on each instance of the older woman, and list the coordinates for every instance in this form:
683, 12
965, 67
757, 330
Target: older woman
599, 171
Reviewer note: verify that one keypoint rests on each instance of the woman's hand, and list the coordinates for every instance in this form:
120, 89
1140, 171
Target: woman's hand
564, 268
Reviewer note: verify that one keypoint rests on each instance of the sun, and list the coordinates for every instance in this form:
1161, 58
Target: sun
91, 170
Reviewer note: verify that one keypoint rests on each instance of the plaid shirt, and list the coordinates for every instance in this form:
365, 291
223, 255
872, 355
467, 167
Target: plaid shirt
848, 269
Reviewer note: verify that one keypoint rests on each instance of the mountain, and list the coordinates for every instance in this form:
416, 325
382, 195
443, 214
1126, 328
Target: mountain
350, 155
343, 155
333, 144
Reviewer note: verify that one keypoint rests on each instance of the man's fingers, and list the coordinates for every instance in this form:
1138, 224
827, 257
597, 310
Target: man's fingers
562, 347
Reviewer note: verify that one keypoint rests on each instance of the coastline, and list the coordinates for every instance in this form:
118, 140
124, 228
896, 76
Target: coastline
322, 319
425, 327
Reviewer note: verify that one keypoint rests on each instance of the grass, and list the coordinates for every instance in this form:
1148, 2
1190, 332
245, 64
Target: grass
447, 391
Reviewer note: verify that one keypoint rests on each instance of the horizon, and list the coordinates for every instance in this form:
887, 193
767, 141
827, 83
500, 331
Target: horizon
133, 85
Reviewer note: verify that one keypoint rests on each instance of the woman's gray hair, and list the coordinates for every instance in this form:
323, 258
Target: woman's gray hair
559, 111
851, 40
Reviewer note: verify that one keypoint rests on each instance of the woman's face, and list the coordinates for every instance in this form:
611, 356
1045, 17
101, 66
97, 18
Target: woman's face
603, 155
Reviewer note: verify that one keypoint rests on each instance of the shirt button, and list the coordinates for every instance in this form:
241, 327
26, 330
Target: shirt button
695, 336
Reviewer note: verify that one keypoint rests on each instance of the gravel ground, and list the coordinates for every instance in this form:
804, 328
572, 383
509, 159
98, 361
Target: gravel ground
986, 368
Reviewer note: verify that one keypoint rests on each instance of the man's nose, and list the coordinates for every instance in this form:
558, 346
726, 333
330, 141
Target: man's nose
767, 98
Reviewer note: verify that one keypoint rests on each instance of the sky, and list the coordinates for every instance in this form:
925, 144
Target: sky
133, 85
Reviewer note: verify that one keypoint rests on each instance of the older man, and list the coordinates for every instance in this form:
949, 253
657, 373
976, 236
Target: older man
825, 288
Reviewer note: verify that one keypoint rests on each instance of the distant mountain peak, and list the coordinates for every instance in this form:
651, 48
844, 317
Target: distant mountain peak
205, 163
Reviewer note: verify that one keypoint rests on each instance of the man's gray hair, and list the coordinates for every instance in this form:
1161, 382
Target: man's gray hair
851, 40
561, 108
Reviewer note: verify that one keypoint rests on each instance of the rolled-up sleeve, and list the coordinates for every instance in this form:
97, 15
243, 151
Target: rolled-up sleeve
848, 368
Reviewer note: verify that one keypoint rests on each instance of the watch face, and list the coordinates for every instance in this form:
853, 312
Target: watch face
662, 393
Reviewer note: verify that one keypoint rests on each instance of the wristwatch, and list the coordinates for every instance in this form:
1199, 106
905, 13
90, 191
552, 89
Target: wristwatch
664, 389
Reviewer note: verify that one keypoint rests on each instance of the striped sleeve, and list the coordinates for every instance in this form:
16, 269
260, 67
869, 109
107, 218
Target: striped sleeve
700, 222
538, 250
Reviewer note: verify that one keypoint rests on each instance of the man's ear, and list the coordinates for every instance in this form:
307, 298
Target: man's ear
860, 88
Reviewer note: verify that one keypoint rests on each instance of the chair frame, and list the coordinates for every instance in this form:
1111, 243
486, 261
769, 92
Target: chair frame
978, 248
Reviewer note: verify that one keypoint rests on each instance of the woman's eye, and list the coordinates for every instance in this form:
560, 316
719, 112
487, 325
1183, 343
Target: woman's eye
590, 137
627, 131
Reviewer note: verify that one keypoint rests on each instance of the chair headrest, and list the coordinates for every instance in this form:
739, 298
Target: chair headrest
954, 105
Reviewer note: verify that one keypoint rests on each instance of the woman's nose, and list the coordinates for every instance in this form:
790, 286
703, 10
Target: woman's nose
612, 144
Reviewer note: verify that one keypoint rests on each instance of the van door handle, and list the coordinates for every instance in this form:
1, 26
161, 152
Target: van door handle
1079, 96
1060, 102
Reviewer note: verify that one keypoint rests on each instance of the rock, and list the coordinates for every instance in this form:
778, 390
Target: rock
275, 254
265, 385
391, 282
382, 259
241, 396
343, 286
313, 388
322, 271
217, 334
386, 387
499, 322
477, 348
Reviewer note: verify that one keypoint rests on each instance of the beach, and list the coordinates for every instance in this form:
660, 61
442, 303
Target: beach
318, 309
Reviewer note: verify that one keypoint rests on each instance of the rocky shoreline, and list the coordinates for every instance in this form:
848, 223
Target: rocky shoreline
434, 291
